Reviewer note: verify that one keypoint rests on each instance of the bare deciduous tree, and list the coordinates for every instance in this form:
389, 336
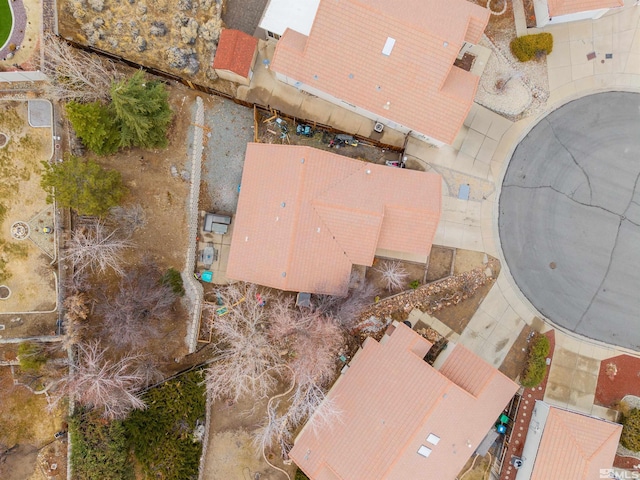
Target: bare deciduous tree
246, 359
96, 381
75, 74
257, 345
346, 310
129, 219
311, 341
131, 316
95, 249
76, 307
393, 273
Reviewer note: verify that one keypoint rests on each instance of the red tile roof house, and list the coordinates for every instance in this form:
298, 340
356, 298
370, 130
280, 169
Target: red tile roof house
401, 418
564, 444
389, 60
306, 216
550, 12
235, 56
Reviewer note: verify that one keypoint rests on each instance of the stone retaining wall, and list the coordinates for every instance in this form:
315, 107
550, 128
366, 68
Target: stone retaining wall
193, 288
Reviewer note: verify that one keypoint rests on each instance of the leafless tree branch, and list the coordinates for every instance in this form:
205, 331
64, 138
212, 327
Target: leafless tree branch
107, 385
93, 248
75, 74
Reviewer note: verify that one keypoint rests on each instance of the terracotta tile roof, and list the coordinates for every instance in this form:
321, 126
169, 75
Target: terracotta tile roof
575, 446
235, 52
416, 85
312, 220
391, 400
566, 7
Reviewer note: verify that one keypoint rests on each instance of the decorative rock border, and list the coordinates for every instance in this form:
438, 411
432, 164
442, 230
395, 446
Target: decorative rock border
20, 230
17, 32
5, 292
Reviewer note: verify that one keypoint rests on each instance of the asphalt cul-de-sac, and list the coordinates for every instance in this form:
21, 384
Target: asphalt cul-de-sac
570, 217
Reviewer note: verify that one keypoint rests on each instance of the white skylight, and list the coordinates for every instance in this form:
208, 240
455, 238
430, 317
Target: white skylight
388, 46
424, 451
433, 439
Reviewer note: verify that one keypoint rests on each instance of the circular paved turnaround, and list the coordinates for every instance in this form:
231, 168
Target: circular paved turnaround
570, 217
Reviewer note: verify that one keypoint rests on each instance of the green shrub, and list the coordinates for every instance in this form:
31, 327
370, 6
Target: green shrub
536, 365
31, 356
162, 435
528, 47
630, 437
300, 475
540, 346
415, 284
99, 448
173, 279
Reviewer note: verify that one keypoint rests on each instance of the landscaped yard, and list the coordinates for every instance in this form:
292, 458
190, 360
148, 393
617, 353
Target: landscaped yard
6, 21
25, 264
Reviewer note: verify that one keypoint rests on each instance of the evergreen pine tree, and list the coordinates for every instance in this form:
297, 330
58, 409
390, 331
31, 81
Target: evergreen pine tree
95, 125
82, 185
142, 110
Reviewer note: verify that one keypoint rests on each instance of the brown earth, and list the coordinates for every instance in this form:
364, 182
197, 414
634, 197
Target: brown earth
25, 427
163, 239
514, 362
269, 132
499, 25
147, 176
230, 453
440, 261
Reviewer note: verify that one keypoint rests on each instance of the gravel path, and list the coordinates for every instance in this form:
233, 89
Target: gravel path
243, 14
19, 24
231, 129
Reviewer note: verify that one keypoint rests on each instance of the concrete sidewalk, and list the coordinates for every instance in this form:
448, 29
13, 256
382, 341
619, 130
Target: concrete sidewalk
479, 158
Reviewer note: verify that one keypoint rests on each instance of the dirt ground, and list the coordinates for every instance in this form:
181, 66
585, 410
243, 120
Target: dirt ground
24, 268
415, 271
477, 468
26, 431
148, 177
456, 317
440, 261
270, 132
514, 362
499, 25
230, 453
455, 310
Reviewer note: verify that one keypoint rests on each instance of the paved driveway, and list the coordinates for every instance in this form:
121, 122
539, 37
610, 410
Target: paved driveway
570, 217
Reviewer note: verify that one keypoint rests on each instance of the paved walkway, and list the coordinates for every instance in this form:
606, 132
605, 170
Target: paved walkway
479, 157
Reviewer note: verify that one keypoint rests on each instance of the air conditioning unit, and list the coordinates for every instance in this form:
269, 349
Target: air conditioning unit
516, 462
378, 127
